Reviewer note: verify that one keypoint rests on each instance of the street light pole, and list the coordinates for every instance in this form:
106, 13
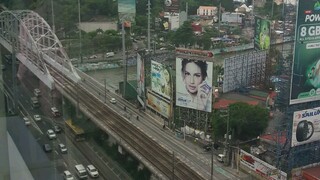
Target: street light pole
53, 26
105, 90
124, 58
211, 176
173, 166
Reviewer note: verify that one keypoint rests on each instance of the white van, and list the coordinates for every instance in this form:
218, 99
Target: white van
81, 171
109, 54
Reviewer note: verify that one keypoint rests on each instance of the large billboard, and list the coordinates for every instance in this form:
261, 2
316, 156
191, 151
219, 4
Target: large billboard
194, 84
158, 104
127, 10
306, 66
305, 126
261, 168
140, 79
161, 79
261, 34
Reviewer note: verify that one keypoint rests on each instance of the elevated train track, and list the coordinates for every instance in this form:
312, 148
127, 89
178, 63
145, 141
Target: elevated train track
157, 155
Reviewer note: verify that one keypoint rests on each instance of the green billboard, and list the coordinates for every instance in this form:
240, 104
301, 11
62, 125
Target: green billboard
305, 83
261, 34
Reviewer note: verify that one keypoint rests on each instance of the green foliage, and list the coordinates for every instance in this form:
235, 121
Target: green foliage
245, 121
204, 41
267, 10
184, 35
228, 5
141, 8
141, 21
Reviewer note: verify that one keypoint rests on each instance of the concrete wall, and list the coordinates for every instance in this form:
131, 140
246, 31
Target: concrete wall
93, 26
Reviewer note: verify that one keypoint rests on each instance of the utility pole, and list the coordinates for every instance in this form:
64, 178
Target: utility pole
80, 35
187, 9
219, 17
225, 151
149, 8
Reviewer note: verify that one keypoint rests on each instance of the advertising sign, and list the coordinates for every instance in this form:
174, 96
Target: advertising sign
127, 10
160, 105
261, 34
171, 6
305, 126
140, 79
260, 167
160, 79
194, 84
306, 66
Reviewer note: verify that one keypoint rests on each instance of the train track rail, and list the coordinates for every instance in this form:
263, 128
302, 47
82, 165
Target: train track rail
157, 155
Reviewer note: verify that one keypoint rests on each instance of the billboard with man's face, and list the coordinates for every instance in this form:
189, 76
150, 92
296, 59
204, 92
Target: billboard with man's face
160, 79
194, 84
305, 126
261, 34
305, 84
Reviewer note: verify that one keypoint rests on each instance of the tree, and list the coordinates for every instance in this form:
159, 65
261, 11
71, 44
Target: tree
184, 35
245, 121
228, 5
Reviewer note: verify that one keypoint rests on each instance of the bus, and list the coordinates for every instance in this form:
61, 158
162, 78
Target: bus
76, 131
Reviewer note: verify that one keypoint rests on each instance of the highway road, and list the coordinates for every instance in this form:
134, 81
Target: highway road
53, 163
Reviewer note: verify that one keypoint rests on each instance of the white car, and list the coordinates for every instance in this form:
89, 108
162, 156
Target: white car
37, 92
93, 57
63, 148
26, 121
51, 134
92, 171
113, 100
37, 117
220, 157
67, 175
55, 112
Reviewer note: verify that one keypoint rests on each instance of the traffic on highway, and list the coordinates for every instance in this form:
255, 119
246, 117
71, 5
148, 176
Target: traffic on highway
48, 138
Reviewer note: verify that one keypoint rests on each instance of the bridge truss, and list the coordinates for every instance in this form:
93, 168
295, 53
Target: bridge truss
30, 39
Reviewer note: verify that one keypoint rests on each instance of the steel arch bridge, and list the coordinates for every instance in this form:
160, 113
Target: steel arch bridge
31, 40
